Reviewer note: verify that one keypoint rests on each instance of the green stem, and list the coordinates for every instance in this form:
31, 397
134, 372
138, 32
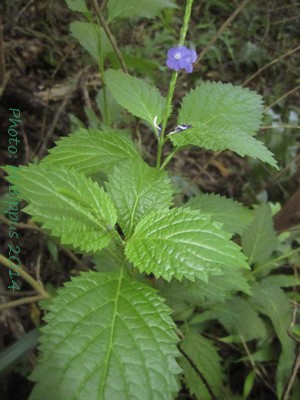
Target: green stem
169, 158
167, 109
166, 115
186, 20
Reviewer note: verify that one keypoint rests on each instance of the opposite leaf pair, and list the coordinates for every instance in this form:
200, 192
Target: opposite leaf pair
222, 116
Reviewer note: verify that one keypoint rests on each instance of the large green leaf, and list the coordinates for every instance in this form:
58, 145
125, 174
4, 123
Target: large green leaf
222, 117
204, 355
182, 243
212, 137
137, 188
70, 205
138, 97
92, 38
107, 337
259, 239
271, 301
142, 8
91, 151
231, 213
222, 105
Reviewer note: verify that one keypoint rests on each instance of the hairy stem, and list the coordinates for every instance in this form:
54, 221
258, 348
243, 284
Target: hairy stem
167, 109
165, 117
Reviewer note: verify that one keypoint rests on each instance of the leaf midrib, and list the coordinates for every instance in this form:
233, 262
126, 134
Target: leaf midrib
110, 344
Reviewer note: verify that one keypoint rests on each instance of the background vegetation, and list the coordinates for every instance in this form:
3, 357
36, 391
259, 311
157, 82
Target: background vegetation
56, 85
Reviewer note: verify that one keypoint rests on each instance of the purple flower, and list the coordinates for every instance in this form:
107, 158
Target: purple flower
181, 58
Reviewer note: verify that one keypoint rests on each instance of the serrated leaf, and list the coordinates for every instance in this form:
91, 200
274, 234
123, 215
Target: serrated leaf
107, 337
271, 301
212, 137
193, 382
231, 213
238, 317
136, 188
92, 38
222, 117
219, 288
205, 357
222, 105
90, 151
141, 8
70, 205
138, 97
259, 239
77, 5
181, 243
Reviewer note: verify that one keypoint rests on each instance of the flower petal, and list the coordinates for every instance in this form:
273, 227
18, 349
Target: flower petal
193, 55
189, 68
173, 64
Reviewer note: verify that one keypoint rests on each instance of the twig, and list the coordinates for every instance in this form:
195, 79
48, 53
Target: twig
44, 141
296, 366
221, 30
103, 5
32, 282
283, 21
34, 227
284, 7
110, 36
280, 126
75, 259
4, 293
38, 268
288, 53
20, 302
21, 225
23, 10
50, 84
282, 97
254, 367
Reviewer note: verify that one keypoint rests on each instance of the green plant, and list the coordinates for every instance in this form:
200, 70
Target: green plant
109, 333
